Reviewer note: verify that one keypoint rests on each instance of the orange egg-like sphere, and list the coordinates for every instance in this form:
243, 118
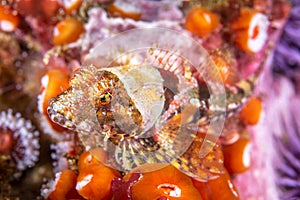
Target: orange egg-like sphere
67, 31
165, 183
94, 182
250, 30
221, 188
201, 22
251, 112
65, 186
9, 20
237, 156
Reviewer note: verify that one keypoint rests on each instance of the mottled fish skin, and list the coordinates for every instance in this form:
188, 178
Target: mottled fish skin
107, 89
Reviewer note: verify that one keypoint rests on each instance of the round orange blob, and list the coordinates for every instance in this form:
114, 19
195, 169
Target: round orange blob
65, 187
237, 156
250, 114
201, 22
166, 183
94, 182
221, 188
9, 20
67, 31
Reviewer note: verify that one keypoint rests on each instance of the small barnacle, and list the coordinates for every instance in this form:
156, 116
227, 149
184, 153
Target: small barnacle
19, 141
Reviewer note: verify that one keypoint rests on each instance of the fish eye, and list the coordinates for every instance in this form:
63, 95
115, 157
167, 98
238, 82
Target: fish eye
105, 98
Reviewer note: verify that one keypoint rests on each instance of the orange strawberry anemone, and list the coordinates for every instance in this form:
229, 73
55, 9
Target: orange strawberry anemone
65, 186
237, 155
93, 157
221, 188
94, 182
9, 20
250, 30
67, 31
201, 22
53, 83
250, 114
124, 10
94, 179
165, 183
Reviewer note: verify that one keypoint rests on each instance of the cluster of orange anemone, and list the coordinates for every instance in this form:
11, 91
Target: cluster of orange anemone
94, 180
249, 30
67, 30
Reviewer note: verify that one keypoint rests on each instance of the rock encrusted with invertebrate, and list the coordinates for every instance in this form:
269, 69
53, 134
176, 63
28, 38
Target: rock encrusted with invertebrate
171, 118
